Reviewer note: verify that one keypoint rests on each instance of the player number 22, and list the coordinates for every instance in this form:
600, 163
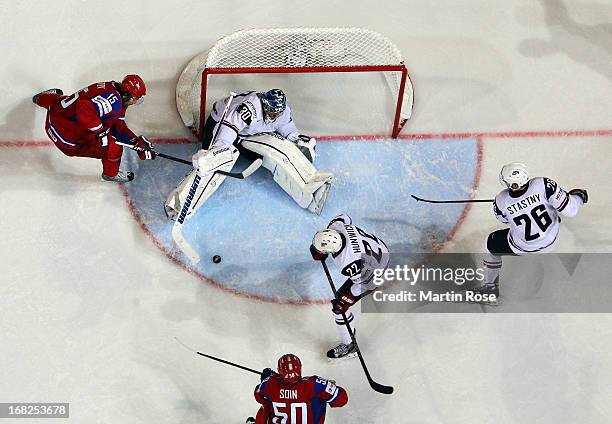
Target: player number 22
539, 216
291, 413
367, 247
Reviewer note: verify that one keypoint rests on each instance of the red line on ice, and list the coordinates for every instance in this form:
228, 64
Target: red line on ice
372, 137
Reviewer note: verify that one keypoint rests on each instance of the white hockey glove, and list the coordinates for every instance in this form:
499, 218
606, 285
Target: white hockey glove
307, 146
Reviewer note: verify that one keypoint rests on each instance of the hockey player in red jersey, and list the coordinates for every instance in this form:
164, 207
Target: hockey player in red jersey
287, 397
89, 122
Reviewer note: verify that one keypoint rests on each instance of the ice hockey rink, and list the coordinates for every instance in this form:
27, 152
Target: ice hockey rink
92, 296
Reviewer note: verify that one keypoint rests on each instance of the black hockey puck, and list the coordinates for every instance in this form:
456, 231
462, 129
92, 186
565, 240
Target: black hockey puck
216, 259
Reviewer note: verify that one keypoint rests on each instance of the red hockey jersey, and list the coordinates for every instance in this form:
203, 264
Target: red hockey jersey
303, 402
78, 118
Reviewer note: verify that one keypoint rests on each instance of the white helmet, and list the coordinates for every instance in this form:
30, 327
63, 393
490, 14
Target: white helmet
327, 241
514, 176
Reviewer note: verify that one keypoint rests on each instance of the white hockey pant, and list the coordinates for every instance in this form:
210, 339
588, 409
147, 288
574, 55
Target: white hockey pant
292, 171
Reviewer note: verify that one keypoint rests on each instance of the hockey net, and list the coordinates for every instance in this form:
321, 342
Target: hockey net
301, 53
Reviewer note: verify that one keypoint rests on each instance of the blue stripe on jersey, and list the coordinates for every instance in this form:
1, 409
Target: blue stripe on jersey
318, 406
107, 103
263, 384
57, 134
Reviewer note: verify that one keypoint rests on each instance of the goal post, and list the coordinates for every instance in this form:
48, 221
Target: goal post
295, 51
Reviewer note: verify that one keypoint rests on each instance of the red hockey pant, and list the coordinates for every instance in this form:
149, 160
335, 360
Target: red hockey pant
59, 128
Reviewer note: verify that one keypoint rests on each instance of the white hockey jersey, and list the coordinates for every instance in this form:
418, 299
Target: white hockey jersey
245, 117
361, 254
533, 216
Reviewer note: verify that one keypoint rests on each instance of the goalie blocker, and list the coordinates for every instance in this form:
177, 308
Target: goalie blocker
290, 168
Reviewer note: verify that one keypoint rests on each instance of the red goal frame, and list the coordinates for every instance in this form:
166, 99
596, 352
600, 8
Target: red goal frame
398, 123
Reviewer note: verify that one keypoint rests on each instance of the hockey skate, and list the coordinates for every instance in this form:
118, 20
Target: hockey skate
49, 91
121, 177
487, 290
250, 420
343, 351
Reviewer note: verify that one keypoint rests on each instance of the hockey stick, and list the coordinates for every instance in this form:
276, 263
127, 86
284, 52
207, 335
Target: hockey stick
177, 233
419, 199
223, 361
227, 106
254, 166
161, 155
387, 390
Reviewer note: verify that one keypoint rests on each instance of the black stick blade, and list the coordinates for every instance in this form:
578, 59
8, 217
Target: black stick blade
420, 199
380, 388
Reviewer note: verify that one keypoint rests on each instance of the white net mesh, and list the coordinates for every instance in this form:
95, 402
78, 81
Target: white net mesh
302, 47
294, 48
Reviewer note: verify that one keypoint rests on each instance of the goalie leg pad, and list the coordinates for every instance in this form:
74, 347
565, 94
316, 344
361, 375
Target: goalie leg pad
217, 158
292, 171
208, 181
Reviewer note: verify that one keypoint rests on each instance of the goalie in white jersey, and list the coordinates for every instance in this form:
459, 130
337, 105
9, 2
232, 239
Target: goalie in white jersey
257, 126
531, 208
253, 113
356, 254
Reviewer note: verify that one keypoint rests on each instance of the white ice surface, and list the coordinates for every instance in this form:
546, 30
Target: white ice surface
89, 306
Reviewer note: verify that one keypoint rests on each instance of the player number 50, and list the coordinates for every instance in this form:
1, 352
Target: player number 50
281, 417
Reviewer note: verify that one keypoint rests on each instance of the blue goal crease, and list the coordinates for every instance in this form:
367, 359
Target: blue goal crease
263, 236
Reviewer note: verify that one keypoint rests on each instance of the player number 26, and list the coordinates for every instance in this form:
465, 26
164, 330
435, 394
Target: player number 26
288, 414
538, 215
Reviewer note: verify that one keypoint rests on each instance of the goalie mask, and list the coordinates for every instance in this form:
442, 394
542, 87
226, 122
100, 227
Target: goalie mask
273, 103
514, 176
327, 241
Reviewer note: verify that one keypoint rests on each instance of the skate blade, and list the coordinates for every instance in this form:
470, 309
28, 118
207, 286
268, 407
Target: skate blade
342, 358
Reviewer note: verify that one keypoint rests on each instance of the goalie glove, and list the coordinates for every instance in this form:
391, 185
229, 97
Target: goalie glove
143, 147
307, 146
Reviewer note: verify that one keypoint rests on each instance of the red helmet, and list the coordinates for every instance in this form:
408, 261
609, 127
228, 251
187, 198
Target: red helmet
134, 86
290, 368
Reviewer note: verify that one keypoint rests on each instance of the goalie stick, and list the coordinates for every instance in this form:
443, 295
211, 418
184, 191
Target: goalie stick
387, 390
419, 199
177, 228
177, 233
